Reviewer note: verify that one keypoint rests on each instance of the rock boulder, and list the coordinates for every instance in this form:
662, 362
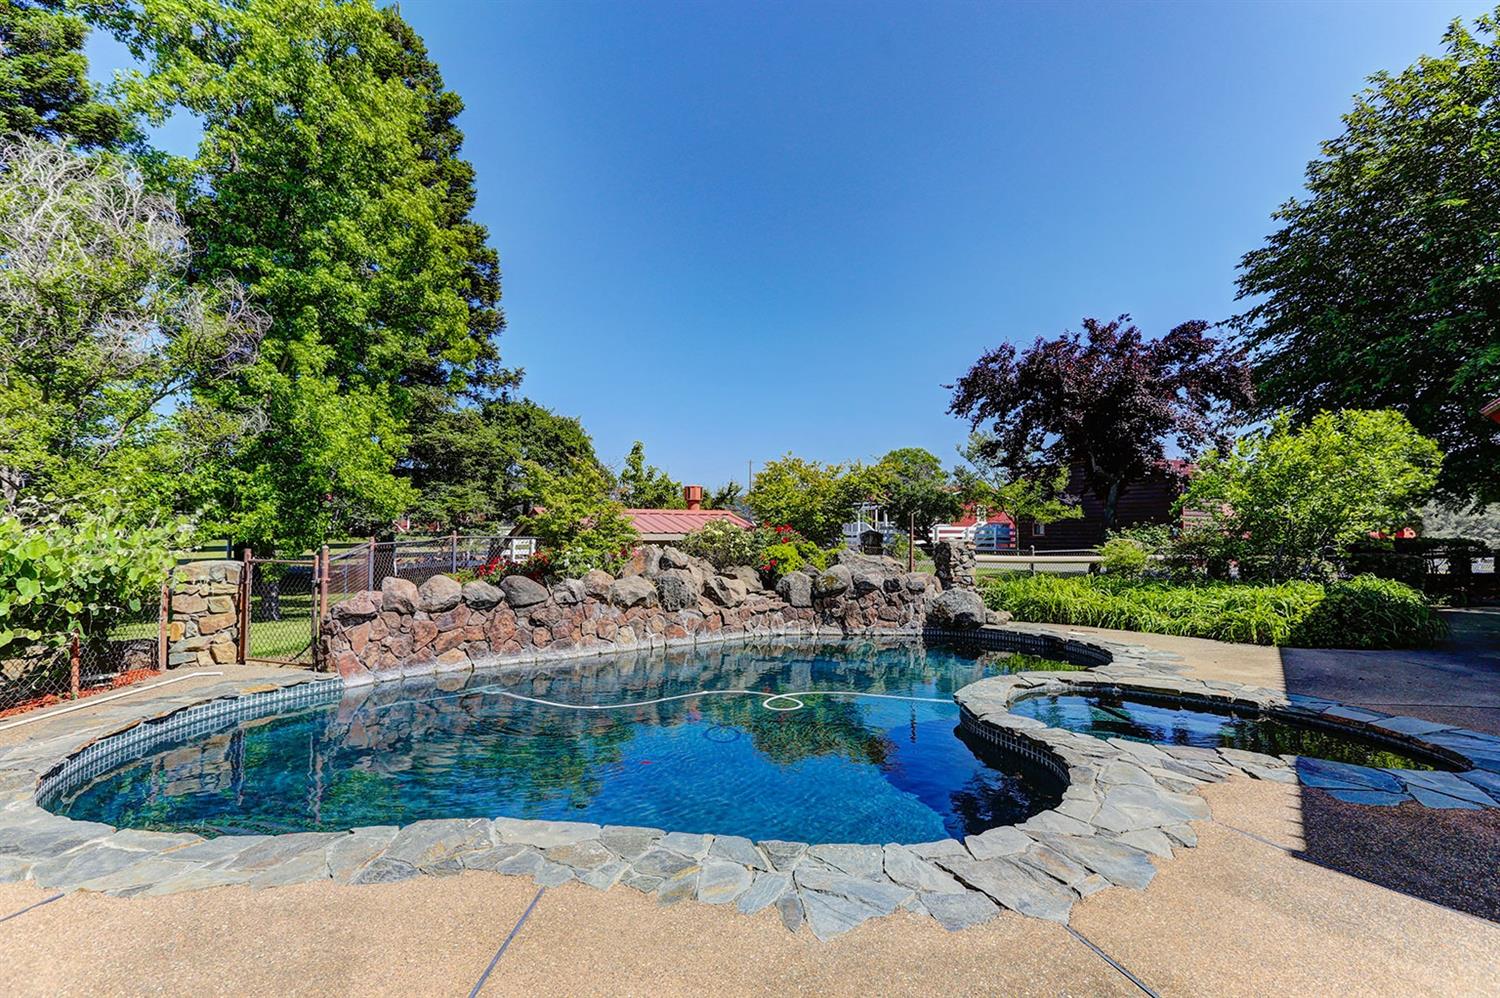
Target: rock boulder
399, 595
796, 589
960, 609
724, 590
749, 576
481, 595
596, 583
677, 589
632, 590
522, 592
834, 582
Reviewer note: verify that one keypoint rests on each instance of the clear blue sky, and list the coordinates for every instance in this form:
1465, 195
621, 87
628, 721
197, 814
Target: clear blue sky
733, 230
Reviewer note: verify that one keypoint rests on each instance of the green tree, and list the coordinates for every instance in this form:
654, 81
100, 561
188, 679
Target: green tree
812, 498
1287, 497
469, 462
1104, 402
984, 482
1379, 290
577, 520
44, 85
326, 180
645, 486
915, 490
100, 331
730, 495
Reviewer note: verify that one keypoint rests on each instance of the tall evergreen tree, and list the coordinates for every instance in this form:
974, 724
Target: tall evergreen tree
471, 462
326, 180
439, 140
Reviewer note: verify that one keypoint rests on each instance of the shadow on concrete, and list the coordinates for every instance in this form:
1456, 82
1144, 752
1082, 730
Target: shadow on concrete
1456, 684
1447, 857
1451, 858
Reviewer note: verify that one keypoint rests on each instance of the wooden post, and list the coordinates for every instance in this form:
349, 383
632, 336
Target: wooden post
74, 666
162, 622
323, 585
320, 604
246, 589
911, 543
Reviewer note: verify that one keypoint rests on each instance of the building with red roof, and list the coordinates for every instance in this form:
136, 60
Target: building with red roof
667, 526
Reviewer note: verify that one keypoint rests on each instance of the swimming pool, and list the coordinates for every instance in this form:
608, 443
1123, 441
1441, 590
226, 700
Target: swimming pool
855, 742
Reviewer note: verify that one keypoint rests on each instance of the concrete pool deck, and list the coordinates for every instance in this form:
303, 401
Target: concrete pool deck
1287, 890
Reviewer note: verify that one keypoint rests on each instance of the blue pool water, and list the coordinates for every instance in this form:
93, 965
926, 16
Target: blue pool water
1141, 718
887, 767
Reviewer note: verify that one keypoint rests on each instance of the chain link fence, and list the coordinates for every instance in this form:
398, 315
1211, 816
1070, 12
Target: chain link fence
286, 604
284, 610
65, 667
365, 566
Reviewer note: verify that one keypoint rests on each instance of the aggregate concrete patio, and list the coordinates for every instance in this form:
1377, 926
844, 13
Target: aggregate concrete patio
1258, 905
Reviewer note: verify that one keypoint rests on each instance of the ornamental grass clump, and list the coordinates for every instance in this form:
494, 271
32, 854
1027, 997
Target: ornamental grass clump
1362, 613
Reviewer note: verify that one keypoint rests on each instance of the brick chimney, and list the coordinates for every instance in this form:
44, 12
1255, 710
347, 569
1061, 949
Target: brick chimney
692, 495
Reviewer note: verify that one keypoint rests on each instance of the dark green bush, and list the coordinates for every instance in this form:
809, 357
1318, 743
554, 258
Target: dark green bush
1365, 613
1371, 612
1123, 556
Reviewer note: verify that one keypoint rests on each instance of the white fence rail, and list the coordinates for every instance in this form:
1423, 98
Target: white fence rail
1059, 562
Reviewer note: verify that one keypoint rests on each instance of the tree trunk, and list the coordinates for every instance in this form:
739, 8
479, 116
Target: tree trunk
1111, 502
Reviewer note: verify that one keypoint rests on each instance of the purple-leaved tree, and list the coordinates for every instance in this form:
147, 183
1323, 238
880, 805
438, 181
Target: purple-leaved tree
1106, 401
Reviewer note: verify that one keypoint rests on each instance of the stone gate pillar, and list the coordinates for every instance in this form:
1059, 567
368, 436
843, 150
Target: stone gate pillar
205, 624
954, 563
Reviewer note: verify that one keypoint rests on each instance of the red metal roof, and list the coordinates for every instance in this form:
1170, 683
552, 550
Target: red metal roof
652, 522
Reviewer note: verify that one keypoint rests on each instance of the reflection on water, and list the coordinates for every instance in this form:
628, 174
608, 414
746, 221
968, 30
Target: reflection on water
1142, 719
841, 768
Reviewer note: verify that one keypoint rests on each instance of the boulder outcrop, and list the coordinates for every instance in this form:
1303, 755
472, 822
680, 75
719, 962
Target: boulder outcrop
401, 629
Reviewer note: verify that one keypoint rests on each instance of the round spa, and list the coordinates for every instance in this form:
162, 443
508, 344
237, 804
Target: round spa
852, 742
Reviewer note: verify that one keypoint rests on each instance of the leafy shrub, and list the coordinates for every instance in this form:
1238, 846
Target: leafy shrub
577, 521
1123, 556
1151, 536
1371, 612
77, 573
1365, 613
724, 544
788, 551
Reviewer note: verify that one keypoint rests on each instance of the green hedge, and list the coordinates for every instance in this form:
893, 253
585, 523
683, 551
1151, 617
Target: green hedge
1364, 612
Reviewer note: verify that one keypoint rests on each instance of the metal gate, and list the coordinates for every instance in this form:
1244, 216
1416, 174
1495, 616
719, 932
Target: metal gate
281, 606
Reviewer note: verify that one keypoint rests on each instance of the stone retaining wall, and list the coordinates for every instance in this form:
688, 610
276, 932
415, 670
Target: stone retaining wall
402, 629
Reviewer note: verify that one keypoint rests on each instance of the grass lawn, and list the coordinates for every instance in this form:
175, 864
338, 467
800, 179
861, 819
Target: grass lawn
286, 639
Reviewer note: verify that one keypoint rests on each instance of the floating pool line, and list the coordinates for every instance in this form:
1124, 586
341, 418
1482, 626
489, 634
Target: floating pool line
766, 698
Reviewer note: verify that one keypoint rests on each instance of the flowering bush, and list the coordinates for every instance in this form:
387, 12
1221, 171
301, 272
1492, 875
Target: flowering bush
577, 522
773, 551
725, 544
788, 551
538, 566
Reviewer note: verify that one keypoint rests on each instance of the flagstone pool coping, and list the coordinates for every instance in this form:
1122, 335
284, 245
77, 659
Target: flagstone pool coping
1125, 806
